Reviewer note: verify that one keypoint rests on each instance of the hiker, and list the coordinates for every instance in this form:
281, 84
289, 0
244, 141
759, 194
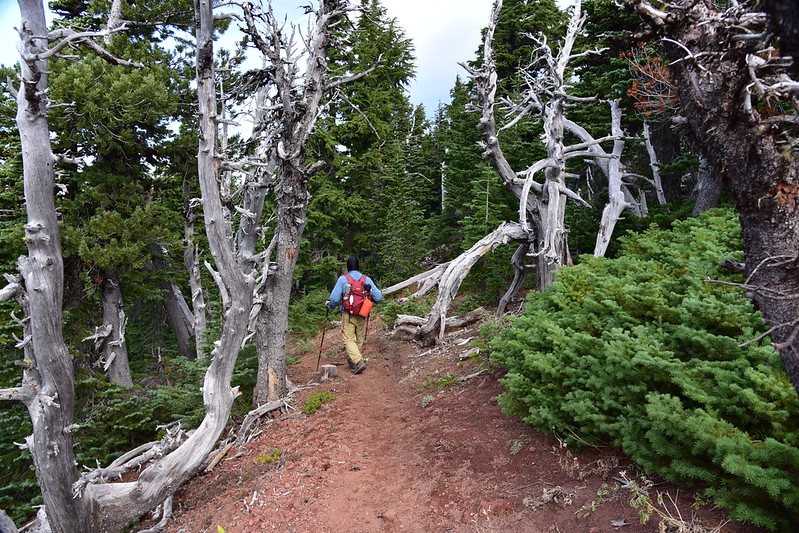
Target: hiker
350, 292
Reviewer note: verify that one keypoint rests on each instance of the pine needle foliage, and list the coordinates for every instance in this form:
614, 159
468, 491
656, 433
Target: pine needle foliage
644, 352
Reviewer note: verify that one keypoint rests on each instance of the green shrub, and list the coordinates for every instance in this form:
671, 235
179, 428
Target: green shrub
112, 420
390, 308
315, 401
644, 352
307, 312
272, 457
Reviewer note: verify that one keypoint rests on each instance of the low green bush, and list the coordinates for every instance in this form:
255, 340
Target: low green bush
315, 401
644, 352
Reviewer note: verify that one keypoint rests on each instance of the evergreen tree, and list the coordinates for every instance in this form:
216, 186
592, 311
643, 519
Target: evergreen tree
458, 137
117, 207
355, 136
401, 242
520, 24
642, 352
612, 75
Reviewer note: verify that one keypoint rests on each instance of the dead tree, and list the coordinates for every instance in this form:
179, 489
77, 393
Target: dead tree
114, 357
88, 503
654, 165
433, 329
113, 505
619, 197
48, 383
740, 106
541, 229
298, 94
191, 259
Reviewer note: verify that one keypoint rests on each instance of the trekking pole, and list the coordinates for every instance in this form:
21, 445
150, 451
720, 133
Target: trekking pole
324, 330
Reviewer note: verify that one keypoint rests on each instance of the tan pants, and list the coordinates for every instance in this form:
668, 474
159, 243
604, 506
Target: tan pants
353, 331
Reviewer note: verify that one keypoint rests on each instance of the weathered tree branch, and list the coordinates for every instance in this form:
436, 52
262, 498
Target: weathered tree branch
432, 273
22, 394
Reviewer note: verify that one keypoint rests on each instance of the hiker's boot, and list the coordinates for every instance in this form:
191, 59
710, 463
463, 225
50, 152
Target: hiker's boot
359, 367
349, 362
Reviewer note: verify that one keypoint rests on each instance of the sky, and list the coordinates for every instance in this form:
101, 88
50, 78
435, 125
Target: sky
444, 32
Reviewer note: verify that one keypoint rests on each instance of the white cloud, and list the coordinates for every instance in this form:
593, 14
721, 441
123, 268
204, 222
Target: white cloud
444, 32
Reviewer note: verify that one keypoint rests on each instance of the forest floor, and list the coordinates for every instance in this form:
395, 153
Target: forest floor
408, 446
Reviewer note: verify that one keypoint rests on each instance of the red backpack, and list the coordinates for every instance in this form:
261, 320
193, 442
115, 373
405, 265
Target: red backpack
357, 301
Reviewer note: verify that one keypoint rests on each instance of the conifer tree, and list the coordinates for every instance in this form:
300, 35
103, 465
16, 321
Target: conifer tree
461, 165
400, 240
363, 120
113, 201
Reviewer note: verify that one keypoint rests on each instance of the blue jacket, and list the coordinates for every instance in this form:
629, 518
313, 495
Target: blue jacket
338, 291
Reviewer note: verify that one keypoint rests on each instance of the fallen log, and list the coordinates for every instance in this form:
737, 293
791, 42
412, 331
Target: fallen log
410, 324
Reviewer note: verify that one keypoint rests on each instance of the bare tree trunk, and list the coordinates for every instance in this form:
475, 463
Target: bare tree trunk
617, 201
191, 258
707, 191
50, 401
115, 349
272, 328
541, 205
428, 280
116, 504
292, 198
180, 318
48, 389
654, 166
252, 207
443, 188
178, 314
297, 118
519, 275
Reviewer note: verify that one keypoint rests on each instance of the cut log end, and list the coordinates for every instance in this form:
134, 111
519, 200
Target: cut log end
328, 372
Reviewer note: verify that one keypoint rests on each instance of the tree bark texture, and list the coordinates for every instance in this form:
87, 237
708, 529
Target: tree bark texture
707, 190
114, 505
296, 121
115, 349
617, 201
52, 406
291, 194
520, 272
178, 314
180, 318
728, 90
654, 165
191, 258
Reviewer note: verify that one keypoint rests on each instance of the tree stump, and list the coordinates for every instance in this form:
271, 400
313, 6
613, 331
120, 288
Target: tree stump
329, 372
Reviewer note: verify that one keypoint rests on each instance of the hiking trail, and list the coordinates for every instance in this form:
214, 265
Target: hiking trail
408, 446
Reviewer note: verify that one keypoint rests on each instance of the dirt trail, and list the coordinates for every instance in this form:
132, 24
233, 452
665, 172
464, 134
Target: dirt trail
392, 452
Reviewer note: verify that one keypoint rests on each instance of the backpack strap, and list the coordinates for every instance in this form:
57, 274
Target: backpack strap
353, 281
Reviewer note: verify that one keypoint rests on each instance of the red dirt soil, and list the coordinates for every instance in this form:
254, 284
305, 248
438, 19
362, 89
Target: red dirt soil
392, 452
